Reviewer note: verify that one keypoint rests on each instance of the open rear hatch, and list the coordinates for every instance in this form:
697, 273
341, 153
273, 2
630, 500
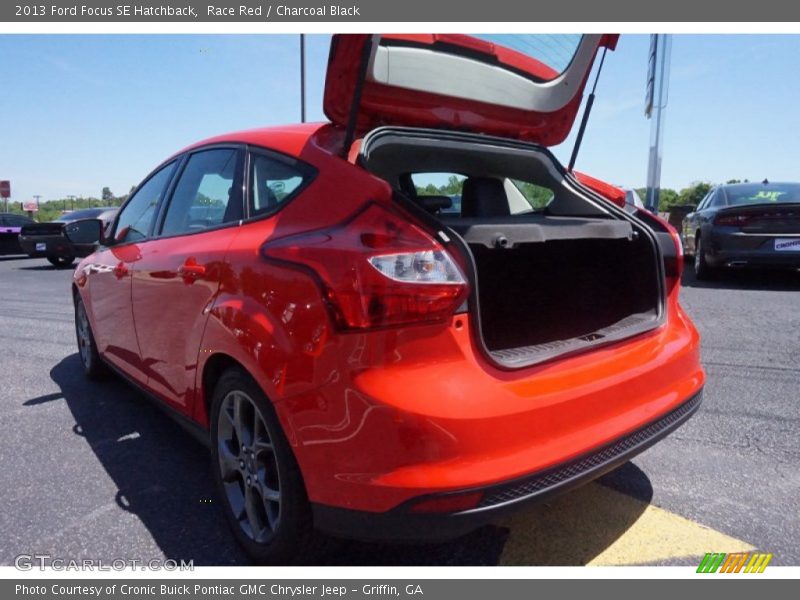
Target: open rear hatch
524, 87
548, 279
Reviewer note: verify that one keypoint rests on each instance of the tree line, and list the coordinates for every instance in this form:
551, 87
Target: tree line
52, 209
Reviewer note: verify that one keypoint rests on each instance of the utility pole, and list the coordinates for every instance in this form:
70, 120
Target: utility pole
655, 110
302, 78
71, 202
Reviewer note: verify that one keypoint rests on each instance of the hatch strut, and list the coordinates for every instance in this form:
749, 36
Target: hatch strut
586, 112
350, 131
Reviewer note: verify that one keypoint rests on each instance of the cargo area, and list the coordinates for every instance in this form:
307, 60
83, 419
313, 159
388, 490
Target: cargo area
547, 280
537, 300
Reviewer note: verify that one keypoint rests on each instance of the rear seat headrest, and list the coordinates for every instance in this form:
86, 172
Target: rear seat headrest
484, 197
433, 204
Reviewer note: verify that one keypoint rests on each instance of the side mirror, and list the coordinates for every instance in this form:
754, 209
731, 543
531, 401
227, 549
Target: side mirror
86, 231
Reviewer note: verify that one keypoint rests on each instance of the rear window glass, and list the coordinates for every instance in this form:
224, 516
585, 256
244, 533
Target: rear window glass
762, 194
442, 193
553, 51
441, 184
87, 213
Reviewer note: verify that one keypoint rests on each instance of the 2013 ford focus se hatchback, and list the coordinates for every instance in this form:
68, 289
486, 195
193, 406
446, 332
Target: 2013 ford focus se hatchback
406, 321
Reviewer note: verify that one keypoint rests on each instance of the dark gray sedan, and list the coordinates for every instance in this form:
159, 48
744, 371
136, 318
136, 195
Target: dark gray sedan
745, 225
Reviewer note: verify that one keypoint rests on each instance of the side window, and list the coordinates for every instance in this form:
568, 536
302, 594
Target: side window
16, 221
137, 215
704, 202
274, 181
718, 199
208, 193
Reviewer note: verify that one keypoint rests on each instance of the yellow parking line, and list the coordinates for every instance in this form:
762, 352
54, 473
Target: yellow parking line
596, 525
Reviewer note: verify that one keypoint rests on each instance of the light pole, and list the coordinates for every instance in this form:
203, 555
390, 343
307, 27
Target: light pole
71, 202
655, 110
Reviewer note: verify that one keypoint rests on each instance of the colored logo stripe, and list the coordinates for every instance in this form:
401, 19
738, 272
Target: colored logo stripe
733, 563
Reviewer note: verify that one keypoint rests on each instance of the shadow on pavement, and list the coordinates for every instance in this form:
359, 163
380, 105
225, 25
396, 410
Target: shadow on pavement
45, 267
161, 472
162, 475
10, 257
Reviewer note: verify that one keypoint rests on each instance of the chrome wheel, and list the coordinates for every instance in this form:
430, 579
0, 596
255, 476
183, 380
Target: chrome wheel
248, 467
84, 334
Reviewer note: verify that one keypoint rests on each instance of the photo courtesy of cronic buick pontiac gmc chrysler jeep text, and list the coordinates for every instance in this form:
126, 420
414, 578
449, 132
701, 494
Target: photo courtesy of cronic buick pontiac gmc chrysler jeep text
371, 360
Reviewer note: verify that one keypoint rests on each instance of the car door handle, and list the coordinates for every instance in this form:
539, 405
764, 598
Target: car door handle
120, 270
191, 271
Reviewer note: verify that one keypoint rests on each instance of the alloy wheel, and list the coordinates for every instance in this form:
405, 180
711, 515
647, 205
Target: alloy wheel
84, 334
248, 467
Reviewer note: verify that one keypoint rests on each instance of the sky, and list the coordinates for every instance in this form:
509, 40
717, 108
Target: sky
80, 112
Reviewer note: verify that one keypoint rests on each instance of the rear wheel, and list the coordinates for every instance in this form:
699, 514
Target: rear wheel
257, 476
702, 270
93, 365
61, 262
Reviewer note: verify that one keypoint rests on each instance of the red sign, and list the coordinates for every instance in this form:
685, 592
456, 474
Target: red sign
5, 189
30, 206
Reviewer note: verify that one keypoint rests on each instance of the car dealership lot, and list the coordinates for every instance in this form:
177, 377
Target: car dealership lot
96, 471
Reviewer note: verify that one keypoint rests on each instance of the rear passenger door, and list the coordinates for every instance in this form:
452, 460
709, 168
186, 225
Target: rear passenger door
180, 269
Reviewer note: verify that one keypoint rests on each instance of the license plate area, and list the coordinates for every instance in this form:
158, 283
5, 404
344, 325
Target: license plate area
787, 244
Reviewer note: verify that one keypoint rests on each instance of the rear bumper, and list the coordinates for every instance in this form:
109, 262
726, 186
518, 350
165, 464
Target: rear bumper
416, 413
402, 524
735, 249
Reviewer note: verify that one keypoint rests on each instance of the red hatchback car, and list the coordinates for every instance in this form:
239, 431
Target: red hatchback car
405, 322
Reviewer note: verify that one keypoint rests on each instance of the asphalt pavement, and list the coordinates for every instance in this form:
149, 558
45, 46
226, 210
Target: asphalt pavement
92, 470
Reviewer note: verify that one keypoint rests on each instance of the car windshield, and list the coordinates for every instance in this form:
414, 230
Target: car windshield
86, 213
763, 193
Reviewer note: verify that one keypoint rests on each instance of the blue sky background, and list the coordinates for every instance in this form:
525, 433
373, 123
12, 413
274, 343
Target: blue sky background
79, 112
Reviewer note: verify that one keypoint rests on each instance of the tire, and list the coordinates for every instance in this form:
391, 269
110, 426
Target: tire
93, 365
257, 477
61, 262
702, 270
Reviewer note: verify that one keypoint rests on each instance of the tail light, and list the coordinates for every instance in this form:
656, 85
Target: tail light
673, 264
732, 220
377, 270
